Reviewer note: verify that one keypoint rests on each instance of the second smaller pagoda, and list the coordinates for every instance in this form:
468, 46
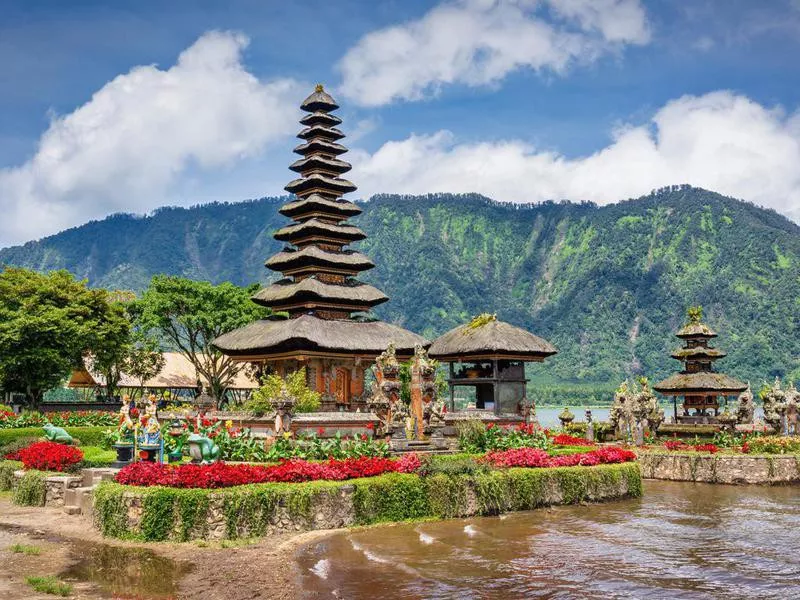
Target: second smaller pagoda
700, 386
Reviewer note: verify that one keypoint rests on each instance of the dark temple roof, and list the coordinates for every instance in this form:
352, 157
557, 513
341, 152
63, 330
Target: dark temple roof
704, 383
492, 339
310, 334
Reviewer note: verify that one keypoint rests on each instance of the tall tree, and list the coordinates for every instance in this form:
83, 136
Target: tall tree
144, 359
47, 324
190, 314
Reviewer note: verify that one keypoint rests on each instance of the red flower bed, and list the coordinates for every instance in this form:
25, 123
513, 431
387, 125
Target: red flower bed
564, 439
676, 445
706, 448
679, 445
48, 456
533, 457
219, 475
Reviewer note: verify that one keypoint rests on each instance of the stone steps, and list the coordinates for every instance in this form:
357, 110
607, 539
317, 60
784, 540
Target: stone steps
78, 500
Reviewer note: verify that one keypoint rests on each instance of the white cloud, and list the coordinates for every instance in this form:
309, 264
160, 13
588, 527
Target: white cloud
478, 42
720, 141
125, 148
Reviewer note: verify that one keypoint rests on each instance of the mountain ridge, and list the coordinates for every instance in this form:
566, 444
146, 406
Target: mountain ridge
608, 284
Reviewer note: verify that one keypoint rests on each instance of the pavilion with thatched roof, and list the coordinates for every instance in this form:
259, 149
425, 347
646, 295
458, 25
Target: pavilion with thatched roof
698, 383
326, 331
487, 362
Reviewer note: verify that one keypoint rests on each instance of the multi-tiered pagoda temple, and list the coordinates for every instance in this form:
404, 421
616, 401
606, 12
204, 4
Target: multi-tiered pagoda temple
698, 383
326, 331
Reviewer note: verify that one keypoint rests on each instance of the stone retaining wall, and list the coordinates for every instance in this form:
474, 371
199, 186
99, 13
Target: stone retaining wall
258, 510
721, 468
56, 486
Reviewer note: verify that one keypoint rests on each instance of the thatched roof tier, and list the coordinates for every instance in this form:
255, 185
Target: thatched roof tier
321, 132
320, 164
494, 339
314, 182
316, 259
320, 147
307, 334
312, 228
315, 205
698, 353
696, 330
320, 118
705, 382
319, 100
286, 294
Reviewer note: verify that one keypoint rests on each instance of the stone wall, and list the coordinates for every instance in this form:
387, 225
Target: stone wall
267, 509
721, 468
56, 487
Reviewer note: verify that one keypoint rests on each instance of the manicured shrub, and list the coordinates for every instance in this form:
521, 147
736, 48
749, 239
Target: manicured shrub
7, 468
31, 489
15, 446
49, 456
59, 419
89, 436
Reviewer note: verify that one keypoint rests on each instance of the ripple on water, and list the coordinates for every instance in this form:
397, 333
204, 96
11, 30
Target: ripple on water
679, 541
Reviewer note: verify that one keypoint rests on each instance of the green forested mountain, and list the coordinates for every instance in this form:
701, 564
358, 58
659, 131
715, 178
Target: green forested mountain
608, 285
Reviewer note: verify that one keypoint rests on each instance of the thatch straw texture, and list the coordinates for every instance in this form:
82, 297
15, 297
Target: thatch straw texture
495, 338
308, 333
703, 382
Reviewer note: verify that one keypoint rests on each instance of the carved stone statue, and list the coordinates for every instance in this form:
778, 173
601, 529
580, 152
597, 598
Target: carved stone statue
385, 398
284, 409
423, 389
792, 411
774, 405
745, 408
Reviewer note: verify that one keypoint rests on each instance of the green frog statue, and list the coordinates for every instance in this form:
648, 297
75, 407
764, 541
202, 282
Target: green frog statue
202, 449
56, 434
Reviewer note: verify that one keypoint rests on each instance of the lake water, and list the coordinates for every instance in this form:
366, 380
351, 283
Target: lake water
681, 540
548, 415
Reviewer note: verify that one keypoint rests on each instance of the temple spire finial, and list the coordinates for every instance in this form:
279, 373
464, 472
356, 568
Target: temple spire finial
319, 88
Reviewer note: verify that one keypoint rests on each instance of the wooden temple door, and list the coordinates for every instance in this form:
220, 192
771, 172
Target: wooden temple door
342, 385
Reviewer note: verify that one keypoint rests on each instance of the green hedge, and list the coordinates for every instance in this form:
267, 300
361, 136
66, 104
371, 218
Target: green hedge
88, 436
7, 468
31, 490
246, 511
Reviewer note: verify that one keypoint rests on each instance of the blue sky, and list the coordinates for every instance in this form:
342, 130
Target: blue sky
519, 100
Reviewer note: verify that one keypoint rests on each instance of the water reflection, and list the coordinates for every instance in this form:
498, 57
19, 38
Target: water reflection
125, 572
681, 540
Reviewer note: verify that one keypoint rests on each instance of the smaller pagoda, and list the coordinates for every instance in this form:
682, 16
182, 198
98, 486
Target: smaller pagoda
699, 384
487, 359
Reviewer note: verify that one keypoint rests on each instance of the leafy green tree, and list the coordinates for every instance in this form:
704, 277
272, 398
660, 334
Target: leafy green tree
189, 315
47, 324
306, 399
144, 359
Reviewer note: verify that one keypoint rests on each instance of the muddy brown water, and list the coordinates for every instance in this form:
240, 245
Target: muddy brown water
681, 540
124, 572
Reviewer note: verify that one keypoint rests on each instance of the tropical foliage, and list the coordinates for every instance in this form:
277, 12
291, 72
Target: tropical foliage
608, 285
